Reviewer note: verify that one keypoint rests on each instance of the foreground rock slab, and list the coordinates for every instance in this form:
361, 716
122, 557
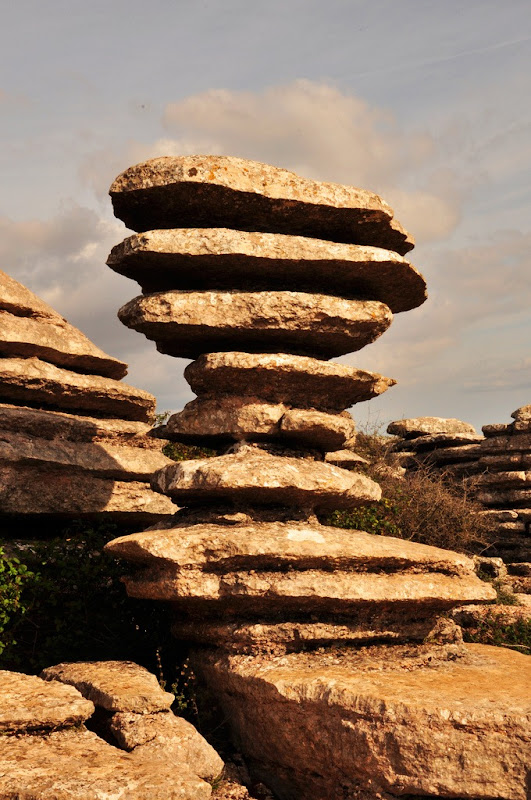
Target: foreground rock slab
195, 258
189, 323
28, 703
284, 378
423, 426
113, 685
223, 191
326, 724
76, 764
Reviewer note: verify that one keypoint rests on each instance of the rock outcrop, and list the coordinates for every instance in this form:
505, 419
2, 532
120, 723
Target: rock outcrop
74, 440
447, 445
253, 577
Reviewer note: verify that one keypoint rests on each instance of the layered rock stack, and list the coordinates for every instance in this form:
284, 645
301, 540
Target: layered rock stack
74, 440
505, 484
439, 444
261, 277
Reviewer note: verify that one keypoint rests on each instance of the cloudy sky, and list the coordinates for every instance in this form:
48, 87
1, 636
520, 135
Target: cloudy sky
425, 102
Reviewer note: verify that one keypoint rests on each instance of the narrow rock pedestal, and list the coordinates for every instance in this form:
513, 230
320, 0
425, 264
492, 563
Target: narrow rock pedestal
274, 602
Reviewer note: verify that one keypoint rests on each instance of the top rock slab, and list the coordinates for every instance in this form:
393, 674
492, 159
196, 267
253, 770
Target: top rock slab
226, 192
426, 426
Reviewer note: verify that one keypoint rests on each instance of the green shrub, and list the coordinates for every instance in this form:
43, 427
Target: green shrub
500, 632
14, 577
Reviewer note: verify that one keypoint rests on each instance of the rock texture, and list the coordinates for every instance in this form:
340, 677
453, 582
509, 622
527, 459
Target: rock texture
439, 444
228, 192
74, 440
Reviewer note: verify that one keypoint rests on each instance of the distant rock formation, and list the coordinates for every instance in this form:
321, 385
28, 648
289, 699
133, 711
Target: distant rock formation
74, 440
277, 604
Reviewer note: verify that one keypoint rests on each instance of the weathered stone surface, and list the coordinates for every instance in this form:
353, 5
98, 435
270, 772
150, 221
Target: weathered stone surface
28, 703
266, 567
113, 685
229, 418
434, 441
251, 476
444, 455
34, 382
78, 765
323, 725
347, 459
502, 461
522, 414
165, 737
516, 479
508, 444
501, 497
280, 377
218, 258
42, 490
228, 192
423, 426
55, 340
60, 426
189, 323
100, 459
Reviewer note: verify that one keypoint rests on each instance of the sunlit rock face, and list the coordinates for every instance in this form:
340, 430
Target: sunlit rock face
75, 440
261, 277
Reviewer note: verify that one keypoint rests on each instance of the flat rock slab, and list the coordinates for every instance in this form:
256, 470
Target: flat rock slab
423, 426
165, 737
57, 425
515, 479
100, 459
187, 324
30, 327
434, 441
522, 414
347, 459
78, 765
227, 192
508, 444
322, 725
30, 381
281, 377
28, 703
252, 476
229, 418
42, 490
495, 496
113, 685
267, 567
219, 258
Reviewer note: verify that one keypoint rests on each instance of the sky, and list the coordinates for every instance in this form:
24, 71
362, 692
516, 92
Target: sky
424, 102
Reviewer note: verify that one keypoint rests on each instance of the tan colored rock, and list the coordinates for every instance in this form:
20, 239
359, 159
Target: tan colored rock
403, 721
60, 426
113, 685
223, 191
251, 476
165, 737
189, 323
230, 418
516, 479
507, 444
423, 426
435, 441
347, 459
28, 703
101, 459
42, 490
522, 414
267, 567
503, 461
505, 497
280, 377
78, 765
30, 381
219, 258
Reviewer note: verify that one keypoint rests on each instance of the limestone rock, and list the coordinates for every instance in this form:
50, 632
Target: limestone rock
522, 414
63, 427
505, 497
29, 703
280, 377
189, 323
30, 381
56, 341
113, 685
347, 459
436, 441
230, 418
44, 491
515, 478
218, 258
165, 737
223, 191
78, 765
101, 459
326, 724
251, 476
424, 426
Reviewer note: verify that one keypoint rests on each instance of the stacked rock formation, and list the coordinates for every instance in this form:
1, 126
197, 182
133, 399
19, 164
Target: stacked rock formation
505, 484
74, 440
447, 445
272, 276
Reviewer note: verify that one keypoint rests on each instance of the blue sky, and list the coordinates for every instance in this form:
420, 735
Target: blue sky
422, 101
